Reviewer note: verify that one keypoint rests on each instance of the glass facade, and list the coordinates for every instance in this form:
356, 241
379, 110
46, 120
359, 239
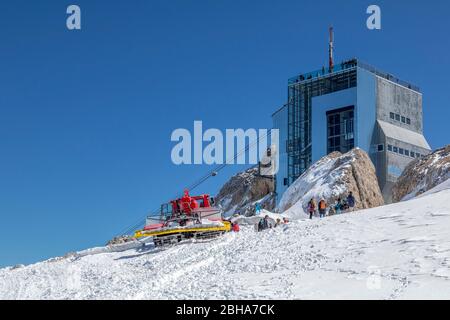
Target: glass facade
340, 128
300, 95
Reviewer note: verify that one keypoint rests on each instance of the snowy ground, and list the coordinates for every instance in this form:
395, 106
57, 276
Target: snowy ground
399, 251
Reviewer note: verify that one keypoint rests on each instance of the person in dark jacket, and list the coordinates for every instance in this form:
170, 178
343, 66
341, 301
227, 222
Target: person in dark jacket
260, 225
264, 224
311, 208
351, 201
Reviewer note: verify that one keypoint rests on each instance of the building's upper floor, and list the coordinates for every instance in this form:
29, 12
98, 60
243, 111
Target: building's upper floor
348, 65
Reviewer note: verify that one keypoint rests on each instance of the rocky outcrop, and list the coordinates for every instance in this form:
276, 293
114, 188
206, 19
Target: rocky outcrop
333, 177
240, 194
422, 175
119, 240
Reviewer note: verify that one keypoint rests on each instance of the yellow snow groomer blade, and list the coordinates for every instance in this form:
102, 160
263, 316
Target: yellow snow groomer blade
226, 227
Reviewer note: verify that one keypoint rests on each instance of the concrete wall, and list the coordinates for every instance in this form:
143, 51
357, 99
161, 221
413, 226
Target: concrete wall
320, 106
392, 97
395, 164
366, 112
379, 159
280, 122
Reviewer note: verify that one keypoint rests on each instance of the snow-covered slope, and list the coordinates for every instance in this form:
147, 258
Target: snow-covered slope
440, 187
333, 177
398, 251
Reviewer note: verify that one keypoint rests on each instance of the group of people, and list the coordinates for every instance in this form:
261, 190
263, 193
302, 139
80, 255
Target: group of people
265, 223
340, 206
348, 204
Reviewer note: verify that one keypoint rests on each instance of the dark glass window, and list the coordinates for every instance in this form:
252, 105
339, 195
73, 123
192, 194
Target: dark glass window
390, 147
285, 181
340, 130
392, 116
401, 150
395, 149
380, 147
403, 119
407, 153
408, 121
397, 117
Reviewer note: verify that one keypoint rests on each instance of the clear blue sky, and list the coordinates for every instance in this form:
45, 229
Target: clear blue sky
86, 116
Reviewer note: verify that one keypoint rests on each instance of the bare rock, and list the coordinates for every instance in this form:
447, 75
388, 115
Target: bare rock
120, 240
333, 177
243, 190
422, 175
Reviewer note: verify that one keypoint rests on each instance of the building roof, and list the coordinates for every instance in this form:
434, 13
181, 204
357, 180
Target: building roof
404, 135
347, 65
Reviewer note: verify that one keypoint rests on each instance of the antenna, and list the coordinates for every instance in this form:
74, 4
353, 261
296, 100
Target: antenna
330, 51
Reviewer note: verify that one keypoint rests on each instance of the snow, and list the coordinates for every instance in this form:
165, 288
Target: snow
422, 186
400, 251
319, 181
443, 186
252, 220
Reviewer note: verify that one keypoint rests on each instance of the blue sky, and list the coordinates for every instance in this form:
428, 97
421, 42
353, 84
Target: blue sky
86, 116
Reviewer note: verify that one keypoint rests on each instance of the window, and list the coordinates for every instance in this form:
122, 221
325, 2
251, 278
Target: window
407, 153
401, 151
340, 129
408, 121
417, 155
395, 149
403, 120
390, 147
392, 116
397, 117
380, 147
285, 181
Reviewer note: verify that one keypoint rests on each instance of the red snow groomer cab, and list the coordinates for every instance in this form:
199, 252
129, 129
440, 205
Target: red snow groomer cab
185, 218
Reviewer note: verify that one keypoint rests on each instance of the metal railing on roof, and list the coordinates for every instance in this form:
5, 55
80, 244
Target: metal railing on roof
387, 76
346, 65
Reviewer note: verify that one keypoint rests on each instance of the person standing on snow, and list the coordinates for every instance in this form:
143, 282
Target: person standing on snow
351, 201
260, 225
267, 224
311, 208
264, 224
278, 223
257, 208
322, 208
338, 206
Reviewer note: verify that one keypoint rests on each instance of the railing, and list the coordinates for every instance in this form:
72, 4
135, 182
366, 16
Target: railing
349, 65
323, 72
388, 76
